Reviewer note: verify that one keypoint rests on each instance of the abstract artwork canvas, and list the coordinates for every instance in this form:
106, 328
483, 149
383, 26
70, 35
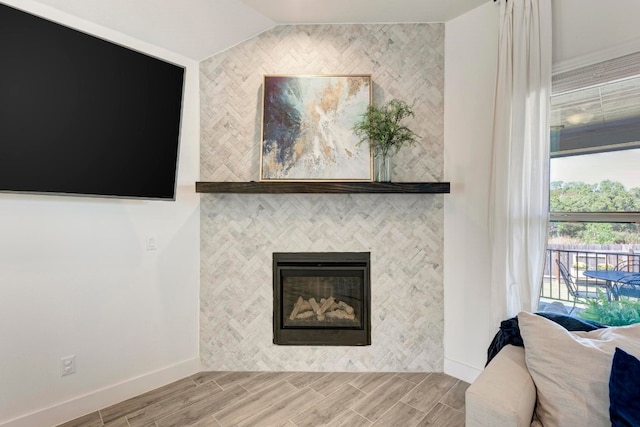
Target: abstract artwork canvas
307, 128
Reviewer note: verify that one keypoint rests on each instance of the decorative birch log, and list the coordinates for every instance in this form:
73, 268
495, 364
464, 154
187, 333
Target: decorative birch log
346, 307
328, 308
314, 305
296, 308
305, 306
340, 314
326, 305
305, 315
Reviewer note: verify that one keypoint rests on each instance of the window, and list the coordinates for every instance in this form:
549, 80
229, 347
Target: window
595, 143
594, 185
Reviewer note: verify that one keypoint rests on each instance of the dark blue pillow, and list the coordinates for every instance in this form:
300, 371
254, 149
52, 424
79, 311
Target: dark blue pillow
624, 390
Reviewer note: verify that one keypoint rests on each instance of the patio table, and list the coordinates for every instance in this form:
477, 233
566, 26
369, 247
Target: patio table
613, 276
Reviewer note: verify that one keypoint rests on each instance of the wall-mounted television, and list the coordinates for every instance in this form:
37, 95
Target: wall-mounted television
80, 115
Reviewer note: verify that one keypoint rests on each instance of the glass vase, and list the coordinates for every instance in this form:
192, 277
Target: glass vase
382, 167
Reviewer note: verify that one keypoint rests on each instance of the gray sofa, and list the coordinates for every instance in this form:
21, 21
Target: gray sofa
563, 378
504, 394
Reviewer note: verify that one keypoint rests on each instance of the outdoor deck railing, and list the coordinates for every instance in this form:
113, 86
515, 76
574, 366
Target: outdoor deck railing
578, 260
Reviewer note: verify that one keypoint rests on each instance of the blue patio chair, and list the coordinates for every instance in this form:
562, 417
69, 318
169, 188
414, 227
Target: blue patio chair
633, 266
573, 288
628, 286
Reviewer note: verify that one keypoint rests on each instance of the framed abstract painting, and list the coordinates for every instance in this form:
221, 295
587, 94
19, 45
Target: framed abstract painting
307, 128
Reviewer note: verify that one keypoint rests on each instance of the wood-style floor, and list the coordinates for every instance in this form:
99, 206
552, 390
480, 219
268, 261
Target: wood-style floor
292, 399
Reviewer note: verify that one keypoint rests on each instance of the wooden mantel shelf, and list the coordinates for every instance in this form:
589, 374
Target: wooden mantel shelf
332, 187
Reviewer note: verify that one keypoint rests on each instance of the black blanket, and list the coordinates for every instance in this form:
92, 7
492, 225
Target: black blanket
509, 332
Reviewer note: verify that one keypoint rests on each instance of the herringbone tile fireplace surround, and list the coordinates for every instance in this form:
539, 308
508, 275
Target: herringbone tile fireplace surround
403, 233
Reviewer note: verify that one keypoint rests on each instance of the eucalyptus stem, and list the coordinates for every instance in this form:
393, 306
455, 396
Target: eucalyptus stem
383, 129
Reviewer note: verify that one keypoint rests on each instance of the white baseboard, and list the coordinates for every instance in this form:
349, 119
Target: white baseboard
461, 371
104, 397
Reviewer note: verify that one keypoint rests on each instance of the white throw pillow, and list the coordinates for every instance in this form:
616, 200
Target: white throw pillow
571, 369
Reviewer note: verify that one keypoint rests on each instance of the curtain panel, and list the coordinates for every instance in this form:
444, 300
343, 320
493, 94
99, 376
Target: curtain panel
519, 205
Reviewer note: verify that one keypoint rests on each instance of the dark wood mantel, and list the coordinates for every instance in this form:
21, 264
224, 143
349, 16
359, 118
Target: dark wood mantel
331, 187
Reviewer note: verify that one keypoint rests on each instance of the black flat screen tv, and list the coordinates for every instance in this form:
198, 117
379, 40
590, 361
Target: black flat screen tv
80, 115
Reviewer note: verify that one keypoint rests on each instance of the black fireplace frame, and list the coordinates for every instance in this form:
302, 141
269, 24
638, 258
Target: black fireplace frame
337, 336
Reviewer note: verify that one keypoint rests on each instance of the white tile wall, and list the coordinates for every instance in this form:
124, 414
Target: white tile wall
404, 233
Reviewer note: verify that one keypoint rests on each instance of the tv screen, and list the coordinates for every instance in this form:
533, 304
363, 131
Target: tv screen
81, 115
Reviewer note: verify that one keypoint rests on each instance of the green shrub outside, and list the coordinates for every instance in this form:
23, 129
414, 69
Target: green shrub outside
583, 266
611, 313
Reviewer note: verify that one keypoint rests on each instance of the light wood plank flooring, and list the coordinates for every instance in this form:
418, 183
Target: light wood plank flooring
292, 399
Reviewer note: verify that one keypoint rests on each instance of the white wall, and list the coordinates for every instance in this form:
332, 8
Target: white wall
470, 65
585, 31
588, 31
196, 29
75, 279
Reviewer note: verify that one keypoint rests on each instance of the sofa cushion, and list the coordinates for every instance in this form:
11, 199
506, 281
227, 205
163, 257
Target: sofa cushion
571, 370
504, 394
624, 392
509, 332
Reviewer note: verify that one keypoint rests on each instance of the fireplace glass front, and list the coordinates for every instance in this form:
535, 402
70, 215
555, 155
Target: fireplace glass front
321, 298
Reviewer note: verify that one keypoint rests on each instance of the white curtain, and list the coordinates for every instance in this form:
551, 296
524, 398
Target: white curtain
520, 171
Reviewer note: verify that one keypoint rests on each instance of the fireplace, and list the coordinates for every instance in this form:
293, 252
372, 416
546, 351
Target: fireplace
321, 298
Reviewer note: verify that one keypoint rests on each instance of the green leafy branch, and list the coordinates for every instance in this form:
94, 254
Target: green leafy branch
382, 127
611, 313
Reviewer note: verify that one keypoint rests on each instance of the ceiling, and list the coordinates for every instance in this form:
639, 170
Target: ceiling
597, 105
600, 117
198, 29
359, 11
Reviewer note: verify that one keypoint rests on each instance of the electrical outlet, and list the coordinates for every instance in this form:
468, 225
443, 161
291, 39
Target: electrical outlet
152, 244
68, 365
